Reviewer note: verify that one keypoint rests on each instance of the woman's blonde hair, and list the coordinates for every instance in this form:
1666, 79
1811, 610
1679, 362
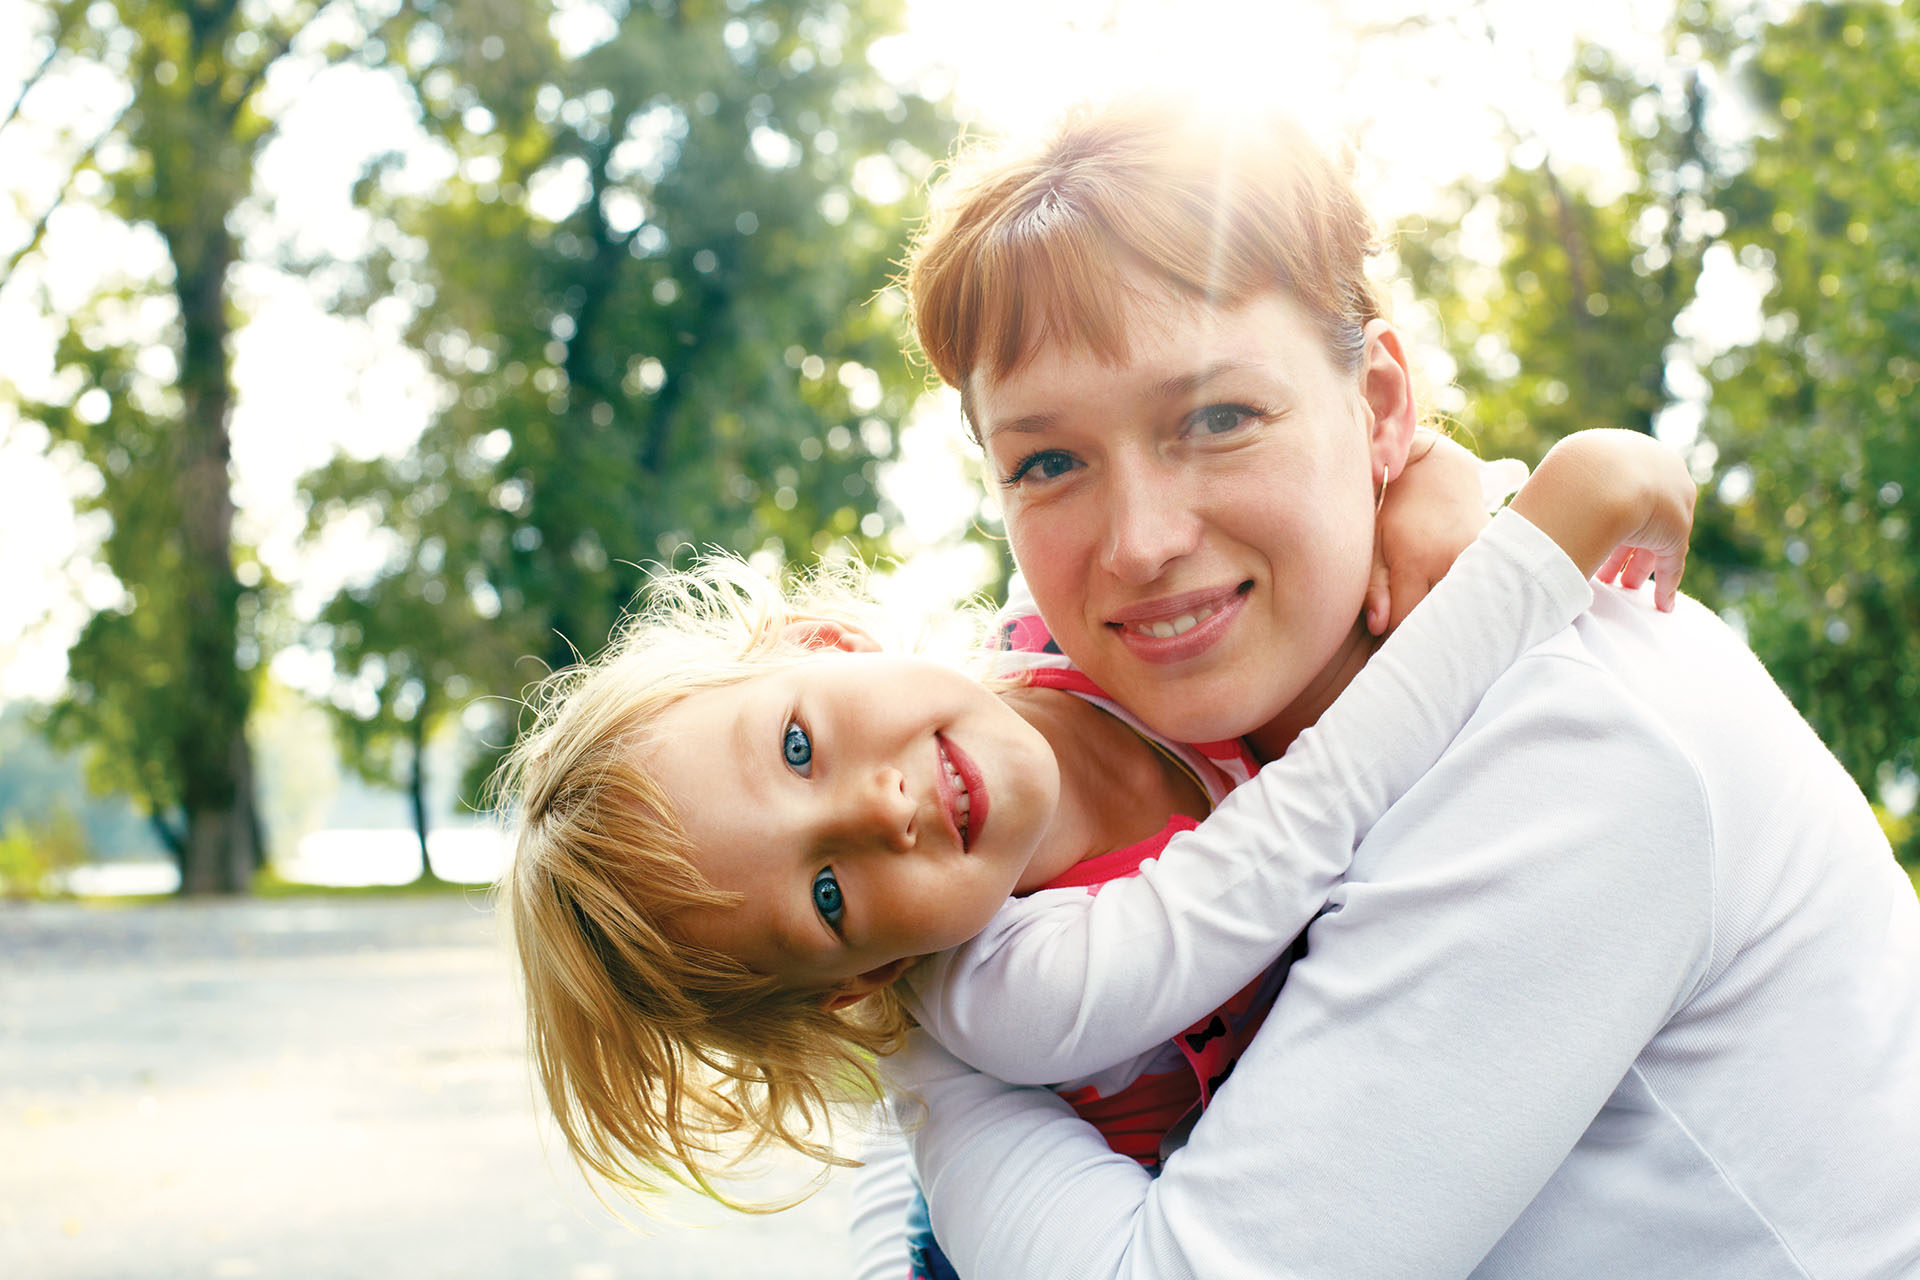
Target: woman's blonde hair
1031, 245
662, 1059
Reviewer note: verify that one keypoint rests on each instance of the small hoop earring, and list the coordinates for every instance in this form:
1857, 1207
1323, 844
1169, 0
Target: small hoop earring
1380, 501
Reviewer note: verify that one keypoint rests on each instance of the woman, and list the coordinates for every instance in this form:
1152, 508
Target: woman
1628, 986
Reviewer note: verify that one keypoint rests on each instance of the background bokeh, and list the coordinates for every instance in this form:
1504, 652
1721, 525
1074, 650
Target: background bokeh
356, 357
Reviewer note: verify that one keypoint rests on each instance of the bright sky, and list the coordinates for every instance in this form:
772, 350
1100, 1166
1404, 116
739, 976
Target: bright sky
1425, 103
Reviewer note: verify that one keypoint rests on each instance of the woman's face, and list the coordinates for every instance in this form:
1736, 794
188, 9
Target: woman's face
1196, 522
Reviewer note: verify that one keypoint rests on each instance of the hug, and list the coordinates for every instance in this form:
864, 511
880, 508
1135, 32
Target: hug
1313, 882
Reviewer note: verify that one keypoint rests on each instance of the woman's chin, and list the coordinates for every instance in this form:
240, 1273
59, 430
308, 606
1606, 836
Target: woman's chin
1199, 710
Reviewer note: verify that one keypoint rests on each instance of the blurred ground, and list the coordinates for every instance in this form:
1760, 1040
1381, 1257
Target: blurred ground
307, 1089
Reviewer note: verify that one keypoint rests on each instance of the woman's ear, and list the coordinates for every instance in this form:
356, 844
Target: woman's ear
1387, 387
829, 633
854, 990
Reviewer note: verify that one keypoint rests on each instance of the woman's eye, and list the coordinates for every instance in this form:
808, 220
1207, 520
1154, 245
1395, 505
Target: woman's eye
827, 899
796, 748
1047, 464
1218, 419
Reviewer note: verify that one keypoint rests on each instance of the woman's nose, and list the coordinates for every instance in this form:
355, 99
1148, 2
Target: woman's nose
1149, 522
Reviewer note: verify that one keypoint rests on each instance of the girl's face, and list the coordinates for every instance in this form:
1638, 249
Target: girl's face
868, 808
1196, 522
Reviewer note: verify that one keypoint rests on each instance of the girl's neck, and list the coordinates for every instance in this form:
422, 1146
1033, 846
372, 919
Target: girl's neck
1271, 740
1116, 788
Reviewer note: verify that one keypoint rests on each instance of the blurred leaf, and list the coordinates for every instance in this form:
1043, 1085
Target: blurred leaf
656, 292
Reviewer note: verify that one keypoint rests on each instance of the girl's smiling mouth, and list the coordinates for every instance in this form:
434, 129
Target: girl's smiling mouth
963, 791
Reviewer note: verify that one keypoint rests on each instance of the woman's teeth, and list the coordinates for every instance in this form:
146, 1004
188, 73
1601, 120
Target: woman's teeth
1168, 630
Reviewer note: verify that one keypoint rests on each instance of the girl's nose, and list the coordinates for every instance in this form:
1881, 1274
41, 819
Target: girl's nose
880, 810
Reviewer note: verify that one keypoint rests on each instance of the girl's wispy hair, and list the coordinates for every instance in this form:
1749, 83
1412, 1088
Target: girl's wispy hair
663, 1060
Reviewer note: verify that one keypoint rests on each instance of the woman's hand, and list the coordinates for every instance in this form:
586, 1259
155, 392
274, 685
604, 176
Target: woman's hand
1433, 509
1617, 502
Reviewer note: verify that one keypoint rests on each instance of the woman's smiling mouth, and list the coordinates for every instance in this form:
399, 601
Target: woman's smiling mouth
1178, 628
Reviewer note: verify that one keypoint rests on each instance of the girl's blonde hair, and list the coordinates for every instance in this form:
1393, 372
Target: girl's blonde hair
662, 1059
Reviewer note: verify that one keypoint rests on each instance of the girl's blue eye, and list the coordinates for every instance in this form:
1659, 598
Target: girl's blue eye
797, 749
827, 898
1218, 419
1047, 464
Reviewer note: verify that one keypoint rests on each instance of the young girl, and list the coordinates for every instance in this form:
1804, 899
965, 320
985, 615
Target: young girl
740, 829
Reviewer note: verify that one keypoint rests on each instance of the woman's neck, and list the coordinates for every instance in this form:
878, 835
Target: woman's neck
1116, 788
1271, 740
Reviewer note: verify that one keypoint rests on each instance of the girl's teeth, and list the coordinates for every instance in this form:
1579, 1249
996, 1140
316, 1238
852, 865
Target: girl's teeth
963, 803
1179, 626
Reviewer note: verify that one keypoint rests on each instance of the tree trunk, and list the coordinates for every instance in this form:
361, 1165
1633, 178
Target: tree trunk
417, 792
199, 176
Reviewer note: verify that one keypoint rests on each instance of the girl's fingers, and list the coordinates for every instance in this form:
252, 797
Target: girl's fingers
1379, 599
1615, 562
1666, 582
1638, 568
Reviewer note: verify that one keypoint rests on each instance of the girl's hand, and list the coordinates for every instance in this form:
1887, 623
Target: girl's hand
1433, 509
1617, 502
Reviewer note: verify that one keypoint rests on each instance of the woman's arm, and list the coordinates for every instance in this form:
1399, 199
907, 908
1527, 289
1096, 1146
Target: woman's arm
1509, 938
1064, 983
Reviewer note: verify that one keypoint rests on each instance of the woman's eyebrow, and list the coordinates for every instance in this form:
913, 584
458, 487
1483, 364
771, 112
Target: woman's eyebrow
1028, 424
1185, 384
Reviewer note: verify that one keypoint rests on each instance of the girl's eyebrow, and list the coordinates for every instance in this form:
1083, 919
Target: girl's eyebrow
744, 750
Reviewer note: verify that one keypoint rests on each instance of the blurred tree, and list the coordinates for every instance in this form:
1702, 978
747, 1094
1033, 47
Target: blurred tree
655, 289
1818, 434
411, 654
155, 688
1560, 310
1557, 306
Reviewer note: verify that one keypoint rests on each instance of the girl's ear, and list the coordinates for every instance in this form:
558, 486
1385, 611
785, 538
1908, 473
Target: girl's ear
854, 990
1387, 387
830, 633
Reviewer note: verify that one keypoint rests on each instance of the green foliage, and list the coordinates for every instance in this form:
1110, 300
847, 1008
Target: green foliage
1804, 533
157, 691
656, 293
35, 852
1568, 323
1819, 441
1900, 834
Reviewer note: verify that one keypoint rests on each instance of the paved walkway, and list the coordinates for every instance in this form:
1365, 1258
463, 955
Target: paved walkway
308, 1089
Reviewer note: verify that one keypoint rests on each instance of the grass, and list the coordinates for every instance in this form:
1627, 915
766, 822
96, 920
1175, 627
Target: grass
270, 887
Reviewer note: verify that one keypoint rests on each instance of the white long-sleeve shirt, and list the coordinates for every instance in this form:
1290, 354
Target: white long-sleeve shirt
1071, 990
1628, 985
1067, 988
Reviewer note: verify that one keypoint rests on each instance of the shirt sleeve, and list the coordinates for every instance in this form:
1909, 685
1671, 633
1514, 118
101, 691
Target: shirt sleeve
1064, 983
882, 1196
1509, 938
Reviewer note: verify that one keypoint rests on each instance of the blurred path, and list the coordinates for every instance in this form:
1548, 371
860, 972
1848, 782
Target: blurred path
306, 1089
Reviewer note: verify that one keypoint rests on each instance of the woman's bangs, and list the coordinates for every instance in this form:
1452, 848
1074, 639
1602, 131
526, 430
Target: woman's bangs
1051, 277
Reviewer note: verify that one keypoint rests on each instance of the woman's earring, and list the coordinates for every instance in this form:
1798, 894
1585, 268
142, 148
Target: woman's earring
1381, 501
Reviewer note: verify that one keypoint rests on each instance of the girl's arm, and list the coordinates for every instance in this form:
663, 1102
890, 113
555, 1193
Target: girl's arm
1065, 983
1619, 502
1592, 494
